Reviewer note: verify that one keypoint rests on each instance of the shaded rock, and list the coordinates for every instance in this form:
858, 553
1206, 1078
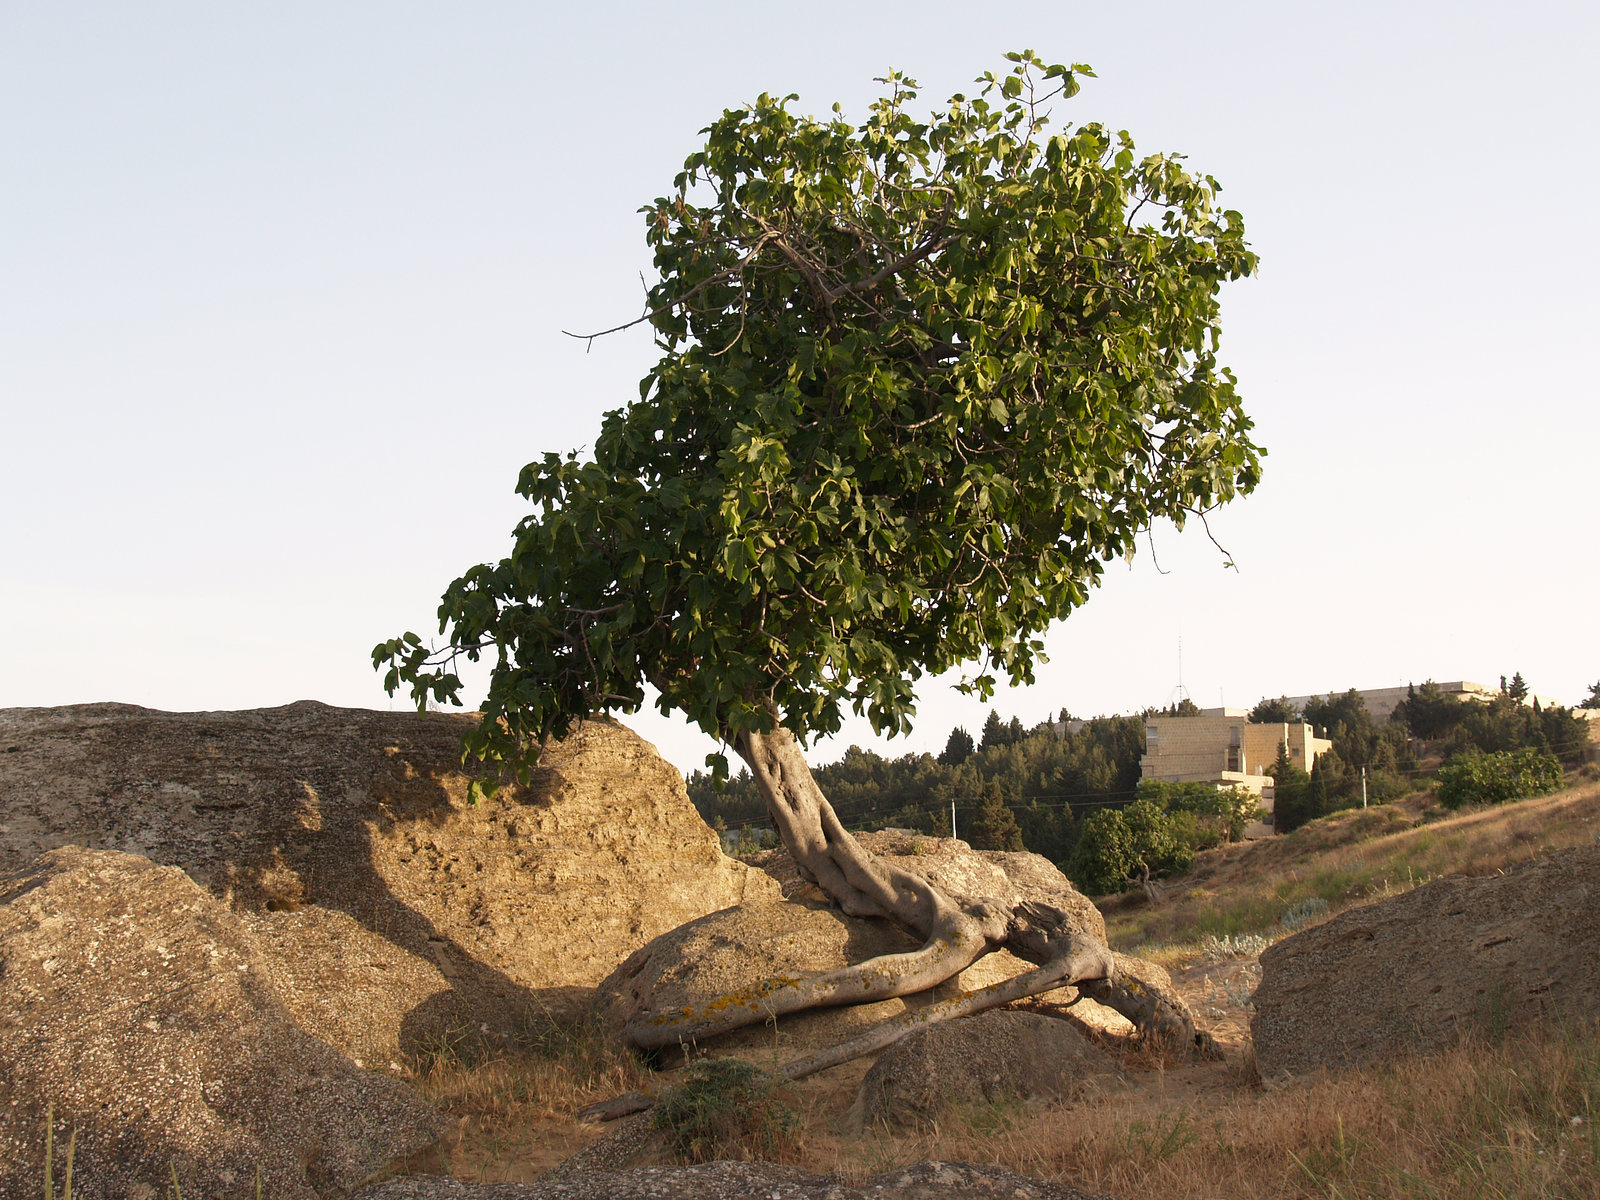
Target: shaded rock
744, 1180
732, 949
391, 908
993, 1056
1416, 971
133, 1001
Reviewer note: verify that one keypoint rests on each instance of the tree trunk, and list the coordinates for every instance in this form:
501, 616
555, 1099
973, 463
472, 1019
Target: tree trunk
955, 934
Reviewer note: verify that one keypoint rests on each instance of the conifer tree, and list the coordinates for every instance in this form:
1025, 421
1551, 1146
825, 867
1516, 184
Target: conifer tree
994, 827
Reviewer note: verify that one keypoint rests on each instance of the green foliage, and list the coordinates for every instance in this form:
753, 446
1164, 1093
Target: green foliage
1476, 778
1045, 778
921, 379
1593, 700
958, 748
994, 828
1226, 812
1428, 712
725, 1108
997, 733
1293, 801
1183, 707
1156, 841
1502, 723
1273, 712
1104, 857
1117, 844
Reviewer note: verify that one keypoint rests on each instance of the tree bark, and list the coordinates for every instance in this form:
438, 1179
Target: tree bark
955, 934
1081, 963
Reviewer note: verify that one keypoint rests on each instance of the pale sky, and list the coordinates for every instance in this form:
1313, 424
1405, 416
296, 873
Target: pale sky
282, 290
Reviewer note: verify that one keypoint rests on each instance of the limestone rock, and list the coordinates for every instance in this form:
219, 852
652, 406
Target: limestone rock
391, 908
993, 1056
1415, 971
133, 1001
744, 1180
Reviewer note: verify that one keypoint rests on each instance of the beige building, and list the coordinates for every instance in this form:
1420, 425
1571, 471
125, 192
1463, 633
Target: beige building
1221, 746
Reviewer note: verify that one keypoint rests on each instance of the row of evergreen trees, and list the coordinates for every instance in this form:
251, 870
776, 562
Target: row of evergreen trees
1428, 718
1015, 788
1066, 789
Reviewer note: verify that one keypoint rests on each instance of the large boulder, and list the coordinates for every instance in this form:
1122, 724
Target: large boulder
133, 1003
728, 950
992, 1057
391, 909
1414, 972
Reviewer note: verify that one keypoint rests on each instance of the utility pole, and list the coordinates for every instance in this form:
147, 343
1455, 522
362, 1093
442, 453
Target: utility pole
1363, 785
952, 818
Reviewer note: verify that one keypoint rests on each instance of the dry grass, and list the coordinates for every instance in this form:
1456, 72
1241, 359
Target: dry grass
1515, 1119
513, 1114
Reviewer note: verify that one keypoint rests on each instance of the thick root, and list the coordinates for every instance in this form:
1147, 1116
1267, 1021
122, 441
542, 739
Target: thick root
1138, 994
952, 948
1080, 962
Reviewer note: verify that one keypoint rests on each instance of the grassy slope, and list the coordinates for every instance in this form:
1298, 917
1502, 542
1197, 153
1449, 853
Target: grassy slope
1350, 858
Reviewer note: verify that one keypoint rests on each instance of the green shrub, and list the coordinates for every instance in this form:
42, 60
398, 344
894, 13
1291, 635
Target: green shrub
725, 1108
1103, 858
1475, 778
1119, 843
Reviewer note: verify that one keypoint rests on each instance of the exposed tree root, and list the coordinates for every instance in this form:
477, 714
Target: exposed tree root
950, 950
956, 935
1081, 961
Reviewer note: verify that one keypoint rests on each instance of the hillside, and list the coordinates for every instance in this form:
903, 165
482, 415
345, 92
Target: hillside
1348, 858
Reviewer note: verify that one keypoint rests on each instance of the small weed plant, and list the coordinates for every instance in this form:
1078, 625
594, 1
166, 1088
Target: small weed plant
1300, 914
1229, 946
726, 1108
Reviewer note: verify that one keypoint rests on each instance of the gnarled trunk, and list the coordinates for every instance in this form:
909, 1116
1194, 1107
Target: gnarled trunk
955, 935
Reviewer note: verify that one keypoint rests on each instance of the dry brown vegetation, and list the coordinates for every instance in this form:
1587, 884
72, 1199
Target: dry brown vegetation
1511, 1114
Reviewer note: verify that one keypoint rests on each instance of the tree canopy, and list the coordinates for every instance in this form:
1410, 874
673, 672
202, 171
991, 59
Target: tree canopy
920, 380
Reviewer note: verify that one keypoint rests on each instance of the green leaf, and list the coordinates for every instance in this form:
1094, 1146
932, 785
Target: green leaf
917, 383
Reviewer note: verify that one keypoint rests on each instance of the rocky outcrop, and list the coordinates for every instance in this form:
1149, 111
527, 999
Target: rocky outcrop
1416, 971
994, 1056
729, 950
388, 907
742, 1180
134, 1003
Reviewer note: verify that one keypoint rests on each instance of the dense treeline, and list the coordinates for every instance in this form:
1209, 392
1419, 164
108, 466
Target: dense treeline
1071, 790
1429, 720
1014, 788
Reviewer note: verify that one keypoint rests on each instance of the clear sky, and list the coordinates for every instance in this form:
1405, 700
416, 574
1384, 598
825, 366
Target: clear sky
282, 290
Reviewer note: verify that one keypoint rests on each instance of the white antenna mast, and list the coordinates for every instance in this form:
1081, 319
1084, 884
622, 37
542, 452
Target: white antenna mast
1181, 693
